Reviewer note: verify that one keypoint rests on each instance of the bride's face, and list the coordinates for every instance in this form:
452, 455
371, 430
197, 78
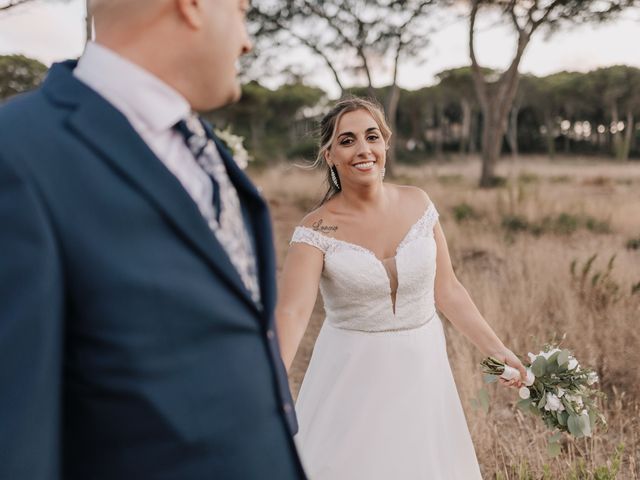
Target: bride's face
358, 150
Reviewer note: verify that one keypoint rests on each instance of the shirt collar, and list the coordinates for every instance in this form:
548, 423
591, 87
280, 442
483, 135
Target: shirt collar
143, 98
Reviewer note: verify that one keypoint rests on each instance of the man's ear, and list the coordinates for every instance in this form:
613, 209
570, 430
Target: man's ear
191, 12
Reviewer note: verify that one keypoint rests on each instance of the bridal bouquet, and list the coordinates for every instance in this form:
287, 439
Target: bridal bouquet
557, 389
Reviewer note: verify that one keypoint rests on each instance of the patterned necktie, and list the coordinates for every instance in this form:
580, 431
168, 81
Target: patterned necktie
228, 223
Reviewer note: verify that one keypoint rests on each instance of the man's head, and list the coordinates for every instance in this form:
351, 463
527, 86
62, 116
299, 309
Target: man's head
193, 45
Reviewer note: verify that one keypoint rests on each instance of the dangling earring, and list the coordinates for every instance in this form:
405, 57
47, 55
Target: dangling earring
334, 177
382, 172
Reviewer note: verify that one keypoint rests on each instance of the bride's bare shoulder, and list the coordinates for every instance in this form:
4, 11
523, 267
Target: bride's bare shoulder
412, 197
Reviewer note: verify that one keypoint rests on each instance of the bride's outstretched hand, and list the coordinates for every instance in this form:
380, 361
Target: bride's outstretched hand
510, 359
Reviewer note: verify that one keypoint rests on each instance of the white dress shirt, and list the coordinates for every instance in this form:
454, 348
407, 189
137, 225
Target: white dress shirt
153, 108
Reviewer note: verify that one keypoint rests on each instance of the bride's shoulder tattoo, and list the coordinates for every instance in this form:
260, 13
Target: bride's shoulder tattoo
320, 227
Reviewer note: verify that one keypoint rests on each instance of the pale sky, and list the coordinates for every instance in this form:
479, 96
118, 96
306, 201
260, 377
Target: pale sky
50, 31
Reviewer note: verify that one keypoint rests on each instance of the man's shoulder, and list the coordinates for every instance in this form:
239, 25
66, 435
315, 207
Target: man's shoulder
23, 111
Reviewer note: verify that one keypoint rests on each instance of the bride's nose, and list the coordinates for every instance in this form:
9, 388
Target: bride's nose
363, 149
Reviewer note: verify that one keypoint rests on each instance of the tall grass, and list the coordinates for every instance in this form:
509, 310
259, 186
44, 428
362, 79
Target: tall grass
529, 285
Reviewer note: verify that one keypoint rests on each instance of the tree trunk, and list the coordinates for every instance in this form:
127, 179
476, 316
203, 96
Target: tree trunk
492, 133
551, 139
392, 114
617, 137
473, 132
628, 135
466, 126
512, 136
439, 132
88, 24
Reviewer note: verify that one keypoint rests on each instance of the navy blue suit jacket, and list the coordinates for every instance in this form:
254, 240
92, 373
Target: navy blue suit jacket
129, 347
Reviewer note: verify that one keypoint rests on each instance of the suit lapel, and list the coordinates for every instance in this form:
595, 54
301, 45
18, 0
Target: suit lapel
109, 133
261, 224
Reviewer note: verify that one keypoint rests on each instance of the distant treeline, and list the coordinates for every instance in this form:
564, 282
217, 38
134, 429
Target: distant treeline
594, 113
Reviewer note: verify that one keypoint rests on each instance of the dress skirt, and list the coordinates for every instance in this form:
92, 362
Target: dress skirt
383, 405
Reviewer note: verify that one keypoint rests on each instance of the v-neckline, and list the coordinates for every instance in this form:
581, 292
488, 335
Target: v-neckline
369, 251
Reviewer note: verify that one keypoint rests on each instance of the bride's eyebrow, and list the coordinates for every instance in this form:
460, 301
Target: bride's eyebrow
369, 130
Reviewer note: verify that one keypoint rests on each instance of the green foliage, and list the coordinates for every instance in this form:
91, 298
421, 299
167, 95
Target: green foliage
497, 182
306, 149
463, 211
561, 224
19, 74
528, 177
560, 179
633, 244
275, 123
451, 179
515, 223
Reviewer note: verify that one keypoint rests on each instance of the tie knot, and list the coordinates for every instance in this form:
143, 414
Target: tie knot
195, 136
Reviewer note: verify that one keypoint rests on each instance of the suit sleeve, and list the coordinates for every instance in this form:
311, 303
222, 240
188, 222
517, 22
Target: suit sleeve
31, 312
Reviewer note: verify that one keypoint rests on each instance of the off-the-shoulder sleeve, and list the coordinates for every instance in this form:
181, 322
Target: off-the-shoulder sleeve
431, 217
311, 237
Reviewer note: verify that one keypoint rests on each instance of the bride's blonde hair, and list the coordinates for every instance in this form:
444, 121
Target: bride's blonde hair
328, 131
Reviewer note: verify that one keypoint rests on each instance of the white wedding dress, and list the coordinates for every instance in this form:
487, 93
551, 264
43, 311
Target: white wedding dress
378, 400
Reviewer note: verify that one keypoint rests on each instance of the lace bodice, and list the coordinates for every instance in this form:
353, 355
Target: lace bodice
356, 287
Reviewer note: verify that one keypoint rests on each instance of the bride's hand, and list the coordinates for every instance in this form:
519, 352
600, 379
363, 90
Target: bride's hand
510, 358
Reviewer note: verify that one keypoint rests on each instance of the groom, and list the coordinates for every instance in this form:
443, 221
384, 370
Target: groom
137, 278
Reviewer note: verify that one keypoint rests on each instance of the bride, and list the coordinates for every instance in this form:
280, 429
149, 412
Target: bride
378, 400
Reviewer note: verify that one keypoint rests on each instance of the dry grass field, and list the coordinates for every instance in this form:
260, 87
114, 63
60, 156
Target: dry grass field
513, 247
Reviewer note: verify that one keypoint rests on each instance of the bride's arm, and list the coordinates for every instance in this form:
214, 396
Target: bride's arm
298, 290
453, 300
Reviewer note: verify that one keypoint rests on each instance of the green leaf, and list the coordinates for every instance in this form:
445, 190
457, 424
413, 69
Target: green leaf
552, 367
553, 358
575, 426
525, 405
562, 418
555, 438
539, 366
563, 357
488, 378
542, 402
554, 449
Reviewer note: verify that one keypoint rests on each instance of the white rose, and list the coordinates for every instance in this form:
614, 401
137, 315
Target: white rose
577, 399
553, 403
511, 373
592, 378
573, 363
549, 353
524, 393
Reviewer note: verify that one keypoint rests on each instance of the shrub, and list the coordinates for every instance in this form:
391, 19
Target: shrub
450, 179
515, 223
463, 211
633, 244
528, 177
597, 226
